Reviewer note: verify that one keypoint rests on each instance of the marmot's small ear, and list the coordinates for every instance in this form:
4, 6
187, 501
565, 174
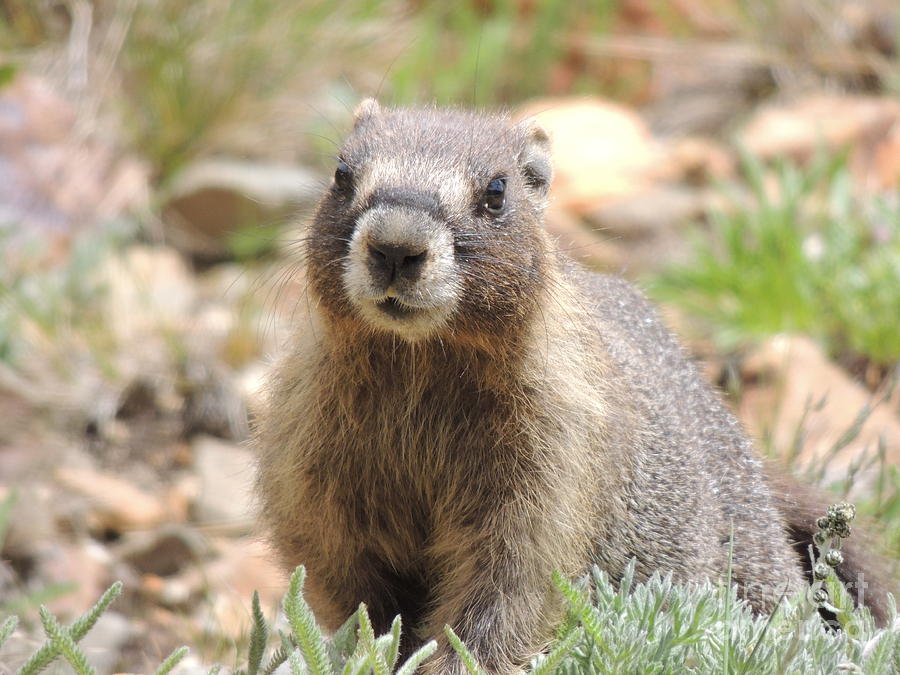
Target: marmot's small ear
366, 110
535, 156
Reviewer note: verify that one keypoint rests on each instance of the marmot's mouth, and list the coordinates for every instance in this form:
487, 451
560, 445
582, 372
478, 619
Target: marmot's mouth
396, 309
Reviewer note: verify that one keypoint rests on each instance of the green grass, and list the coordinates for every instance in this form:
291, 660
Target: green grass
800, 253
489, 54
55, 301
190, 71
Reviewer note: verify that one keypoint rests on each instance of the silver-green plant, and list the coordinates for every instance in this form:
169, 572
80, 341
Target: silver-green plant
611, 626
63, 641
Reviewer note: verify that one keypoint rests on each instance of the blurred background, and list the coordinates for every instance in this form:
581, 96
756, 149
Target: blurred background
739, 159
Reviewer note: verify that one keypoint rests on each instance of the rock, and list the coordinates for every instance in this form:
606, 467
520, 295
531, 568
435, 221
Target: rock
700, 161
244, 566
601, 150
32, 521
104, 643
115, 504
703, 88
210, 201
191, 665
163, 552
84, 567
149, 291
887, 160
574, 238
647, 214
647, 228
225, 471
824, 122
790, 375
213, 402
177, 593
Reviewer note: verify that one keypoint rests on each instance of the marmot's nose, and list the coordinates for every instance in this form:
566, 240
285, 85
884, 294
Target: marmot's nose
397, 260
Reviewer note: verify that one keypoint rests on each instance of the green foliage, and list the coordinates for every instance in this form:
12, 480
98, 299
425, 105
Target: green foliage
354, 647
486, 54
254, 241
802, 254
190, 70
6, 507
7, 74
661, 627
44, 656
259, 634
171, 661
467, 657
656, 626
304, 626
64, 644
54, 299
7, 628
882, 504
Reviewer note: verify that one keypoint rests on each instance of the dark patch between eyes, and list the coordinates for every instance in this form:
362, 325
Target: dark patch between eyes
410, 198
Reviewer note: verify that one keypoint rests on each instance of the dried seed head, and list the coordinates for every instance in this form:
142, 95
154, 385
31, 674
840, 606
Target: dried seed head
823, 523
834, 558
821, 571
841, 530
820, 539
842, 512
820, 596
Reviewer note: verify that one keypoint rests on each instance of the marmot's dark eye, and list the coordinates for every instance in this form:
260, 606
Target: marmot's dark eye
495, 195
343, 177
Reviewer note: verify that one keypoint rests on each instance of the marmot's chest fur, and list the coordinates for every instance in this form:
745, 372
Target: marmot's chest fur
464, 411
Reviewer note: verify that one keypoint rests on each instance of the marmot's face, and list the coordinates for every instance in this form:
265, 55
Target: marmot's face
432, 224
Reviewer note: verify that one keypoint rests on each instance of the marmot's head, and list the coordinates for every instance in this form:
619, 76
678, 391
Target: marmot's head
432, 225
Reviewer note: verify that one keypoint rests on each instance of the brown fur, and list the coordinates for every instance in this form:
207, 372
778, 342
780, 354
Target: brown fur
534, 417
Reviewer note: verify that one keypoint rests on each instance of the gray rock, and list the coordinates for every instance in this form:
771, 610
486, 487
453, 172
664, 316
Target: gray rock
164, 551
210, 201
648, 213
225, 496
647, 228
104, 644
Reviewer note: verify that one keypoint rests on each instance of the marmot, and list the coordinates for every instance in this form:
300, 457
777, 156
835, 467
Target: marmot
465, 411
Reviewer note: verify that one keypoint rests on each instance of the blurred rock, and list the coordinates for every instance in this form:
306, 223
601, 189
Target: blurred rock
700, 161
601, 150
648, 213
115, 504
32, 521
163, 552
210, 201
104, 643
178, 593
179, 498
647, 228
244, 565
150, 292
225, 474
703, 88
85, 565
574, 238
213, 402
191, 665
887, 160
788, 376
822, 122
